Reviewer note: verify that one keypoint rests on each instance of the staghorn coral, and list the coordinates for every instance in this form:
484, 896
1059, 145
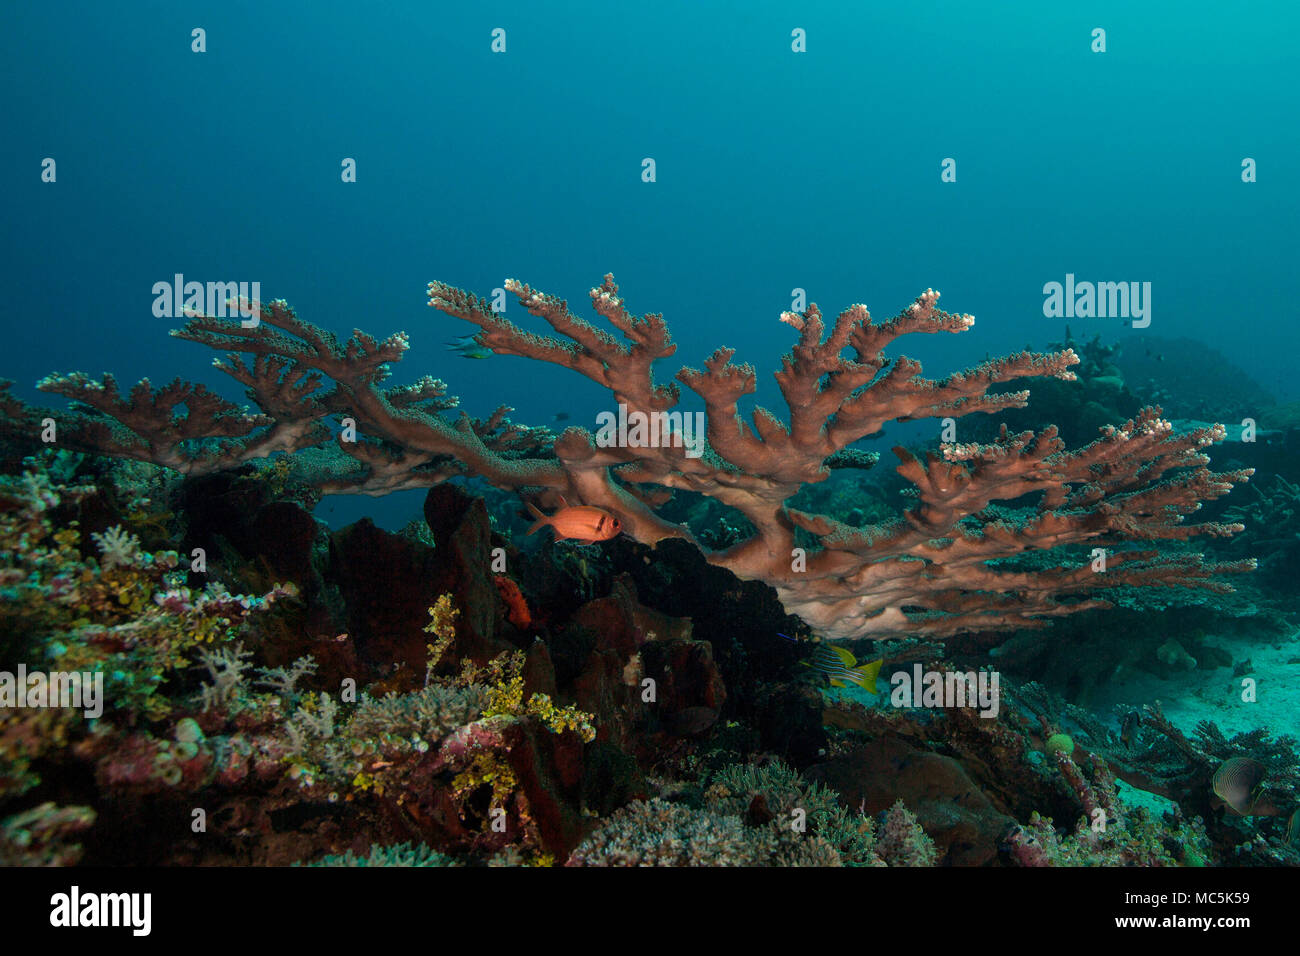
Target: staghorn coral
934, 571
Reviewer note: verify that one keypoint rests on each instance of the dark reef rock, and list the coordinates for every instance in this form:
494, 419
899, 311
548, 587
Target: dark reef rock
741, 621
964, 823
461, 566
387, 584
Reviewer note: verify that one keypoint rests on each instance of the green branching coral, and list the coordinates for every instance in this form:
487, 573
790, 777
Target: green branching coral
659, 833
755, 816
400, 854
122, 611
1138, 841
778, 792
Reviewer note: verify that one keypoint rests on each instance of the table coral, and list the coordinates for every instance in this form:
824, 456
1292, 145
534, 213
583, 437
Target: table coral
936, 570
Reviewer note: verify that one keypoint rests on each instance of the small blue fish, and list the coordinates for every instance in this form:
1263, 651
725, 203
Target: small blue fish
840, 667
467, 346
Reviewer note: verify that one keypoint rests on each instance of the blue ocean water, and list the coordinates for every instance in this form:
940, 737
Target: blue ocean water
776, 170
826, 152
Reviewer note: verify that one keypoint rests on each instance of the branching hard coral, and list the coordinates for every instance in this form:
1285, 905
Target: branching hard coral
902, 842
778, 793
129, 615
400, 854
934, 571
755, 816
284, 680
1138, 841
659, 833
373, 747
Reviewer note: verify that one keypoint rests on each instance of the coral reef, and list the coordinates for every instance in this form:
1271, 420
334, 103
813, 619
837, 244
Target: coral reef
933, 570
755, 816
354, 697
609, 730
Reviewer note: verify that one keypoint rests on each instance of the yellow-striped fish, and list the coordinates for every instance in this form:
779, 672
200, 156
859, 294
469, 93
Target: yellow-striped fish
840, 667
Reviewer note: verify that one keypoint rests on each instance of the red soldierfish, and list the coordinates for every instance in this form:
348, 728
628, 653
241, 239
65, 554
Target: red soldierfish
583, 523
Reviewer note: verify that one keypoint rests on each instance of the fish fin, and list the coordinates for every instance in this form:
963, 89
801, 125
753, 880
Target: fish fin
563, 502
869, 674
541, 517
583, 541
836, 682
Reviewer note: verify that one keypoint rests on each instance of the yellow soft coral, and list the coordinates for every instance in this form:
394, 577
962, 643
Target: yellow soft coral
443, 628
560, 719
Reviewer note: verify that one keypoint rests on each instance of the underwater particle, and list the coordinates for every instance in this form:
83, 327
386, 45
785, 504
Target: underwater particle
1060, 743
1238, 783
